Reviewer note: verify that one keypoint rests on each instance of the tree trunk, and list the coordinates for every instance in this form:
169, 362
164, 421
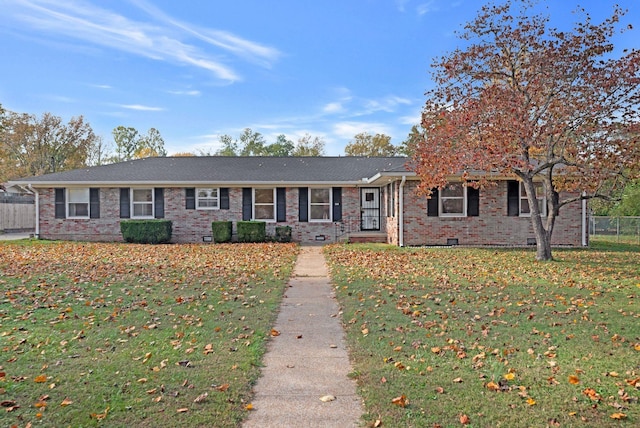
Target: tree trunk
543, 236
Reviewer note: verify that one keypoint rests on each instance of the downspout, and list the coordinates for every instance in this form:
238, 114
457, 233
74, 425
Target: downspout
585, 229
401, 212
37, 231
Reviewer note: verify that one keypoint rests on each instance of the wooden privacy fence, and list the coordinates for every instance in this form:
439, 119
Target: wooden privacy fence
17, 213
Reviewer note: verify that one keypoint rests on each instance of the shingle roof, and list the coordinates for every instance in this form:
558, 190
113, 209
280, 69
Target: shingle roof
230, 170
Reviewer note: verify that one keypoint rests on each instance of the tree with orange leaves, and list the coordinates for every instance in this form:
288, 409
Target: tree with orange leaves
535, 103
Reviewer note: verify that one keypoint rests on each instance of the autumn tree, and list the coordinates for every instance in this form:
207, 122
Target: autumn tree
526, 100
365, 144
252, 143
408, 146
229, 146
150, 145
32, 146
308, 145
282, 147
130, 144
126, 141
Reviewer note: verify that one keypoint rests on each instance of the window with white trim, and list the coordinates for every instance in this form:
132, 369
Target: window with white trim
142, 203
320, 204
264, 204
525, 209
453, 201
78, 203
208, 199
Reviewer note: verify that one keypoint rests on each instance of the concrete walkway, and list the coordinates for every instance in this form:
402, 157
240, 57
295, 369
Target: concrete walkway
308, 360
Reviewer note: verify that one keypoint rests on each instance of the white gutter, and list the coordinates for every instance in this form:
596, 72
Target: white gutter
585, 229
401, 212
37, 198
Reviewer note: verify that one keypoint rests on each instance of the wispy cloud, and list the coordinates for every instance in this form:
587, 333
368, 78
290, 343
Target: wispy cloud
347, 130
387, 104
427, 7
101, 86
192, 93
140, 107
162, 38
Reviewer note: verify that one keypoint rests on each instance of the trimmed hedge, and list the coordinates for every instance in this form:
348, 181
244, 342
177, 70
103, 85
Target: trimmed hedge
221, 231
146, 231
283, 233
252, 231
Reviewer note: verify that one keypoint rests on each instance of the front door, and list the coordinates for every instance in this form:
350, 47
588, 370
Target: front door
370, 208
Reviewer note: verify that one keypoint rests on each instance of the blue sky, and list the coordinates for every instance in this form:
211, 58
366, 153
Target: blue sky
197, 69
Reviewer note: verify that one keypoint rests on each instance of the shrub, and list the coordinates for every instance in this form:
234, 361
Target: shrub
221, 231
283, 233
252, 231
146, 231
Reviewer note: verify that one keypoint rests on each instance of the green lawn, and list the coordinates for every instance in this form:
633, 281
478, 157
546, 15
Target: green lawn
447, 337
134, 335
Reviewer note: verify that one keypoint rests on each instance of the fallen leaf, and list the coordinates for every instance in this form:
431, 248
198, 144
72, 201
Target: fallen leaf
40, 379
223, 388
274, 332
182, 410
492, 386
100, 416
618, 416
574, 380
400, 401
464, 420
201, 398
509, 376
66, 402
531, 401
458, 380
327, 398
248, 407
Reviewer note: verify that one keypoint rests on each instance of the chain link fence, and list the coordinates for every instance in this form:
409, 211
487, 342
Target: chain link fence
616, 229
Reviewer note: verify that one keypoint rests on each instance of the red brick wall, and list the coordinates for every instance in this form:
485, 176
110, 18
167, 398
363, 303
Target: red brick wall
188, 225
491, 227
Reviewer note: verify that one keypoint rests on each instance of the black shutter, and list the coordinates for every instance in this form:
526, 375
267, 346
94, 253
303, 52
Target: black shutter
513, 198
190, 198
473, 202
224, 198
337, 203
60, 207
94, 203
432, 204
281, 204
303, 204
125, 206
158, 196
247, 198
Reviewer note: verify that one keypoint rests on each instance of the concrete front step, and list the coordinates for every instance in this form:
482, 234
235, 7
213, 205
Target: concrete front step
368, 237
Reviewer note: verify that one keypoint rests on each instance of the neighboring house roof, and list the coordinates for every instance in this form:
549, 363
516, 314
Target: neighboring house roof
222, 170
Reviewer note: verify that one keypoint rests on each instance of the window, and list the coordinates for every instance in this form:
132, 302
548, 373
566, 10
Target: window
320, 204
453, 200
207, 199
142, 203
78, 203
264, 204
525, 209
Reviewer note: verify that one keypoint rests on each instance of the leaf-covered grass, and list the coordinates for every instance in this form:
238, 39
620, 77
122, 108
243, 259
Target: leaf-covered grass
486, 338
134, 335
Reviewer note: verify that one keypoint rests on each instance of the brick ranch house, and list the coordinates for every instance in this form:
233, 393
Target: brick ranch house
323, 199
